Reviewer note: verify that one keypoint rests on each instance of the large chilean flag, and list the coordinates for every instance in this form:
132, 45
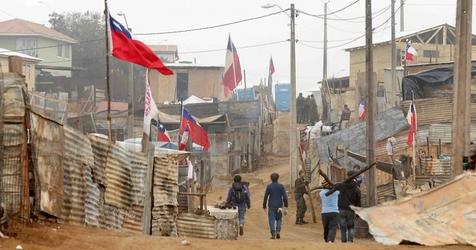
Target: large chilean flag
232, 76
196, 132
127, 49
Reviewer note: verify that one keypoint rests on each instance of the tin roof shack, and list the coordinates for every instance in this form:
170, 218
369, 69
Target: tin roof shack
245, 134
203, 81
214, 122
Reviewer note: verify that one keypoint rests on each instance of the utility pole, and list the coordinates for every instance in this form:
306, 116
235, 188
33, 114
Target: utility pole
327, 97
292, 123
394, 52
402, 16
462, 85
371, 92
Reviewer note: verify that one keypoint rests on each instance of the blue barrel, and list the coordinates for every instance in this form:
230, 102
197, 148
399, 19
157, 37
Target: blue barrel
282, 95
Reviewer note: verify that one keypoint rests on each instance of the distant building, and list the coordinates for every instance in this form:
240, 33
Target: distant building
28, 65
37, 40
434, 45
203, 81
167, 53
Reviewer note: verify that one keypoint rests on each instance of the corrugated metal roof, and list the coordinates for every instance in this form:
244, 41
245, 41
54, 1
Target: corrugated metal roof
442, 216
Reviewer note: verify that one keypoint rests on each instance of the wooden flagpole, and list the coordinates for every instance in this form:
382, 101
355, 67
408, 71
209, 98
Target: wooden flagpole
180, 123
108, 88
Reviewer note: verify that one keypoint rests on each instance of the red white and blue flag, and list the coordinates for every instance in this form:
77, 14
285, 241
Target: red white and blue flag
196, 132
232, 76
130, 50
412, 121
184, 138
410, 52
362, 109
162, 134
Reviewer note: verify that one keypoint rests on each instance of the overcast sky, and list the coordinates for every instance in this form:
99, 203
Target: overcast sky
157, 16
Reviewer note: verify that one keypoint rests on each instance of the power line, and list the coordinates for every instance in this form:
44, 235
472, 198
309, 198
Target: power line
58, 45
351, 19
212, 26
239, 47
182, 53
331, 13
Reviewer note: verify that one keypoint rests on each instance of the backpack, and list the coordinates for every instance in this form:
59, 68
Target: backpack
238, 193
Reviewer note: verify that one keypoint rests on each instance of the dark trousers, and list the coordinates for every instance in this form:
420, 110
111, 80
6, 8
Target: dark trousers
346, 224
329, 221
300, 205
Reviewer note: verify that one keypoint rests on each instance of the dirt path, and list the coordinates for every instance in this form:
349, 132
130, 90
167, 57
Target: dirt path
256, 231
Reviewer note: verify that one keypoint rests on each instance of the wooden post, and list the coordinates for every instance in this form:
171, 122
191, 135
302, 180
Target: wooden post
462, 85
202, 186
149, 195
108, 87
371, 109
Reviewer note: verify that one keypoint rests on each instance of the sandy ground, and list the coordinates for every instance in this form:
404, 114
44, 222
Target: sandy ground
256, 232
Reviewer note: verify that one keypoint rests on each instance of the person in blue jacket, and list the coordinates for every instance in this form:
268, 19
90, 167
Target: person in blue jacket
276, 200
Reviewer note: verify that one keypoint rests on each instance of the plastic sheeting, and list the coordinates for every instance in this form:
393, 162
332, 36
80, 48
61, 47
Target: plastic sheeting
442, 216
414, 84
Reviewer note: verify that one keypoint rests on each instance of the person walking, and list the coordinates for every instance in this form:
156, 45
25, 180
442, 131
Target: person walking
329, 212
299, 191
349, 194
344, 117
239, 196
276, 200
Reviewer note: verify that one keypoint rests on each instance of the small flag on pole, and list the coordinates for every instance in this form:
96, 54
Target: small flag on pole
150, 108
190, 127
412, 121
362, 109
410, 52
232, 76
162, 134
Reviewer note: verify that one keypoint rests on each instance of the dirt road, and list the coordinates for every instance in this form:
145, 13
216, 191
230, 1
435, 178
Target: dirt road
256, 232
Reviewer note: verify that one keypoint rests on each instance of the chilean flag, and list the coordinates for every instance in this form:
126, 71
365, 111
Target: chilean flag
197, 133
162, 134
232, 76
412, 121
127, 49
362, 109
410, 52
184, 138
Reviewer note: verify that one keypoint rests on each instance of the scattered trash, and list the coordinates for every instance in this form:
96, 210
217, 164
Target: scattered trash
19, 247
185, 242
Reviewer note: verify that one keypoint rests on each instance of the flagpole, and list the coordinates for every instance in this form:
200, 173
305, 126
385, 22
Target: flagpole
414, 141
180, 123
405, 59
108, 89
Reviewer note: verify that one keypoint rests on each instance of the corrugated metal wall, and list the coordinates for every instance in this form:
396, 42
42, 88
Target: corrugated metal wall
13, 138
199, 226
165, 190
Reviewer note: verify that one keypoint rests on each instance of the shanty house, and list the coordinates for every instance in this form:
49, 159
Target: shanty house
166, 53
28, 64
203, 81
37, 40
434, 45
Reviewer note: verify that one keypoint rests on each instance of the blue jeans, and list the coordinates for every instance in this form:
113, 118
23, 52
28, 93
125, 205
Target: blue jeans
274, 218
241, 215
346, 224
329, 221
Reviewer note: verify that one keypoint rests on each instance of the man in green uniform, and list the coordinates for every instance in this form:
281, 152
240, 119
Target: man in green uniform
299, 191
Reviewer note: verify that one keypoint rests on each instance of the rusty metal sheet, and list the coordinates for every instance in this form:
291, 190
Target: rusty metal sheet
139, 165
78, 159
198, 226
165, 185
164, 220
118, 174
14, 105
101, 148
48, 144
445, 215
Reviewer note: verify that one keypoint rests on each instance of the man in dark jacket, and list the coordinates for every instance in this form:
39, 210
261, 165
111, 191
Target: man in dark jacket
239, 196
299, 191
349, 194
275, 197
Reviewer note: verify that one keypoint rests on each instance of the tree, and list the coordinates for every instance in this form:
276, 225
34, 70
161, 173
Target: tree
89, 54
